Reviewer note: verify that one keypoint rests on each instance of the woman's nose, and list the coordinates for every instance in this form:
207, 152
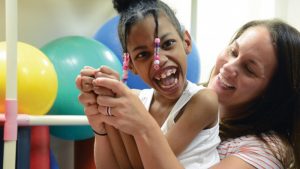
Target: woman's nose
229, 69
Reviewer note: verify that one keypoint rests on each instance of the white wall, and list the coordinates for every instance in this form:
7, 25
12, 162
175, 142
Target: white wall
217, 20
40, 21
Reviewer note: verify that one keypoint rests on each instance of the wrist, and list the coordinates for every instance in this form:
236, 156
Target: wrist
101, 131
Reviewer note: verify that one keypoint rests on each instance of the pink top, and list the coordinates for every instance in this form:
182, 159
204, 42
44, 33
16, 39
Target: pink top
251, 150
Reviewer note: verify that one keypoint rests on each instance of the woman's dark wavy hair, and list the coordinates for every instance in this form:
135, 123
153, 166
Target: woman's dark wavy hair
277, 111
132, 11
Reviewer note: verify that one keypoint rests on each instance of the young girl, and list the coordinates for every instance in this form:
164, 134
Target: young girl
155, 48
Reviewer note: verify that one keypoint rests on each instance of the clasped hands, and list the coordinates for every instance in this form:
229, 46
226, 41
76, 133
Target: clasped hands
107, 100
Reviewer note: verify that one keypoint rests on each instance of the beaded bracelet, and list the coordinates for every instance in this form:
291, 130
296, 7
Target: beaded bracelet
100, 134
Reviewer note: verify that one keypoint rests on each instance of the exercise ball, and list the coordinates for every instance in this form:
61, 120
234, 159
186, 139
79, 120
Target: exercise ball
37, 80
193, 64
108, 35
69, 55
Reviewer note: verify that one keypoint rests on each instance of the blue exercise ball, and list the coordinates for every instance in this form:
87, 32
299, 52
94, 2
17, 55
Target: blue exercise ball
194, 65
69, 55
108, 35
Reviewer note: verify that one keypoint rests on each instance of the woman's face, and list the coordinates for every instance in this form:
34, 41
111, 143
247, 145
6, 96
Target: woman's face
244, 70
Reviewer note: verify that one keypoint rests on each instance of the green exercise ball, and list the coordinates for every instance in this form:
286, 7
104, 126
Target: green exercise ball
69, 55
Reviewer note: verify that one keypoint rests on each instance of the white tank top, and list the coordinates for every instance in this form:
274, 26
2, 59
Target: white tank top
202, 151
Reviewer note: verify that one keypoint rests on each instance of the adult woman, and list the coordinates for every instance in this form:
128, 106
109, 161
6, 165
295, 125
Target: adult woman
257, 80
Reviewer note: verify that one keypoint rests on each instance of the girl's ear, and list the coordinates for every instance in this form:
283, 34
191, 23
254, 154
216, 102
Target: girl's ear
187, 42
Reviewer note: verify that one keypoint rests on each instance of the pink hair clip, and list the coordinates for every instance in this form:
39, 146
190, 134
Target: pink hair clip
156, 54
125, 67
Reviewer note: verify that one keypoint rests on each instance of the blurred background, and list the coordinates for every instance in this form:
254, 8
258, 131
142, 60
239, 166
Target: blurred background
211, 24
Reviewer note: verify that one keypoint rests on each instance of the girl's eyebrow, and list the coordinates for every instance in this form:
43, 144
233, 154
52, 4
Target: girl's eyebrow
143, 47
164, 36
139, 48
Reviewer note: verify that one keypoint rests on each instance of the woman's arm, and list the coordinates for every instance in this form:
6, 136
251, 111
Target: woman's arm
232, 162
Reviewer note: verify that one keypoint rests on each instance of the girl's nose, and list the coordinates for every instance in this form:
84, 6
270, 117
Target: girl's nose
160, 61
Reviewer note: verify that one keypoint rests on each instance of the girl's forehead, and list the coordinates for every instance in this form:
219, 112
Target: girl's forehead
147, 25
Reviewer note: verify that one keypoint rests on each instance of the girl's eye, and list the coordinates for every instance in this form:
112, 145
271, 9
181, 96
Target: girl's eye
142, 55
168, 44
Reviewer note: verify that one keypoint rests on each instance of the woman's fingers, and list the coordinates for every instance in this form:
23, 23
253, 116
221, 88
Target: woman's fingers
108, 72
84, 80
87, 83
88, 71
87, 98
78, 82
117, 87
102, 91
91, 110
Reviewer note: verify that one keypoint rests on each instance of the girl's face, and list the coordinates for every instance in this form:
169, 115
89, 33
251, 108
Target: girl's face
169, 81
244, 70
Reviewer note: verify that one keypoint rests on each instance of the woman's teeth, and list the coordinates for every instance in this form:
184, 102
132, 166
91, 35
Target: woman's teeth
224, 82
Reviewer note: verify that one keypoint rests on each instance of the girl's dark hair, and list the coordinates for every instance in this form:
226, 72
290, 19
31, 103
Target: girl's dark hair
132, 11
277, 111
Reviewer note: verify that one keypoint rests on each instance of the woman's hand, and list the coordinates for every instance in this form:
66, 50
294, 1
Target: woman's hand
85, 78
87, 97
128, 113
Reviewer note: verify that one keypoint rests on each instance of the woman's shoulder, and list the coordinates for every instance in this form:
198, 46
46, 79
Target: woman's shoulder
265, 143
254, 150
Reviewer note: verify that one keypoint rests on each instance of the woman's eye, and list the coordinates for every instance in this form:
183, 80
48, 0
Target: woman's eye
168, 44
250, 70
233, 52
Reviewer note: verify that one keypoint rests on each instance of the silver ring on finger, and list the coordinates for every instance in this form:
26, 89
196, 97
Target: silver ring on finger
108, 111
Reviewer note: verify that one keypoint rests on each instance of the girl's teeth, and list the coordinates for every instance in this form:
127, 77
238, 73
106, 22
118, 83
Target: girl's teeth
165, 74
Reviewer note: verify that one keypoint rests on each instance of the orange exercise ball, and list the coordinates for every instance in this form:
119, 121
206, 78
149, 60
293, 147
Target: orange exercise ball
37, 80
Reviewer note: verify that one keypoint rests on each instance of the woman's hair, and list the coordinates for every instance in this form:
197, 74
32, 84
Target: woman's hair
277, 110
132, 11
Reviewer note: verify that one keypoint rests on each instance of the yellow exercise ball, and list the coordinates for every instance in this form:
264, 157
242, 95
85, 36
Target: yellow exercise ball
37, 80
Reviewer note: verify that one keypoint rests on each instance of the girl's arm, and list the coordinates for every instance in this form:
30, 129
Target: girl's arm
123, 145
154, 148
103, 154
104, 158
201, 112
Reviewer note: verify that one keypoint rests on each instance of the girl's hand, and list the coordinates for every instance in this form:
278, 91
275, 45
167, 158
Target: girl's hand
84, 80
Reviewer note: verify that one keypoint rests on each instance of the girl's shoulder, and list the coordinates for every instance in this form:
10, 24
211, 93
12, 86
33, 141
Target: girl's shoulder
136, 91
